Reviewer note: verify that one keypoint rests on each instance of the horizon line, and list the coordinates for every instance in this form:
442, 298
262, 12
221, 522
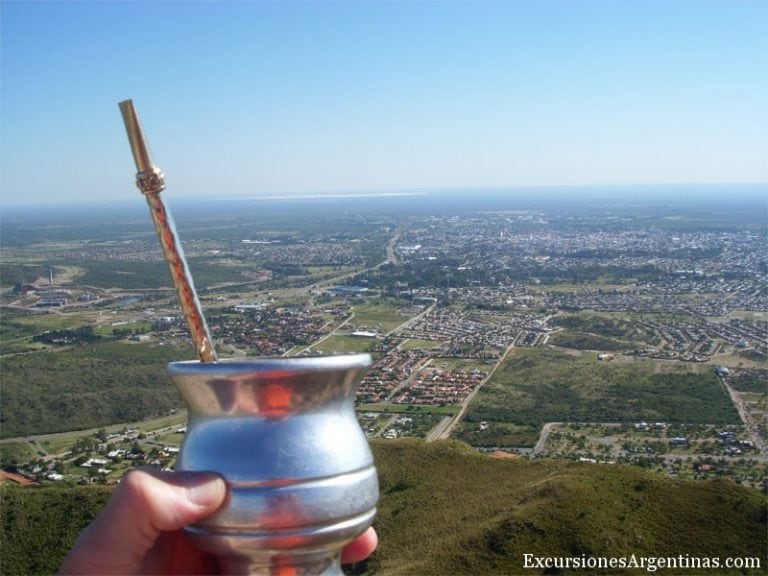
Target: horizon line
384, 193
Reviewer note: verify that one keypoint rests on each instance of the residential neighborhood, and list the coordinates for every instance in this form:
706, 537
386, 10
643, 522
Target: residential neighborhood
443, 302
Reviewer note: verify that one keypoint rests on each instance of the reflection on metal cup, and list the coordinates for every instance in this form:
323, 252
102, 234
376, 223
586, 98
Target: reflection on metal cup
284, 435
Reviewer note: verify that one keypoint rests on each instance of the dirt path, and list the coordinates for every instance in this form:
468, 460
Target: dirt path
437, 431
413, 320
545, 431
405, 383
386, 425
321, 340
449, 428
746, 418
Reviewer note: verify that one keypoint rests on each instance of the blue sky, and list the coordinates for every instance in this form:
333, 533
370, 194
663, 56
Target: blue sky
260, 98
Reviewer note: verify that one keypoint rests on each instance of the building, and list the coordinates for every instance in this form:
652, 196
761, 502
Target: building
22, 289
349, 289
722, 371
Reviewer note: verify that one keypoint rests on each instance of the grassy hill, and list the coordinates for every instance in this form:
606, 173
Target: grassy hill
446, 509
39, 525
87, 387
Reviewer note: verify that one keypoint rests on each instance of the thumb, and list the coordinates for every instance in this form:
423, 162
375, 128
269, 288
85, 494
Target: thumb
145, 504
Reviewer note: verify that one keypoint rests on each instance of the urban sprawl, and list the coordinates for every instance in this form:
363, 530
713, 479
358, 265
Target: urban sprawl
449, 300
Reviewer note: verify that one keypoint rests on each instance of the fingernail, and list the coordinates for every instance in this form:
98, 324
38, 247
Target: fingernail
209, 492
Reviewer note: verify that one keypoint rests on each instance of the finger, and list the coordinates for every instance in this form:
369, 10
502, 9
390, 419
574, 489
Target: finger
145, 504
360, 548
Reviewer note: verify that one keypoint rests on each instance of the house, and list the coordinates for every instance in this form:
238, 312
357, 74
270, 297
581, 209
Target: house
349, 289
364, 334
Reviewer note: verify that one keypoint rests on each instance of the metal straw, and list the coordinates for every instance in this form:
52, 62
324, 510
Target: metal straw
151, 181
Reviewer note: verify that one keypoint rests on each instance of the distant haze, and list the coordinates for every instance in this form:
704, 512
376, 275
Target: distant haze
736, 203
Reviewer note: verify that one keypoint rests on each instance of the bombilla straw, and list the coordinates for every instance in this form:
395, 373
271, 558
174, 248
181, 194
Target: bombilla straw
151, 181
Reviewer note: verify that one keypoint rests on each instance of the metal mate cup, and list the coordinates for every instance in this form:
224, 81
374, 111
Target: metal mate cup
299, 471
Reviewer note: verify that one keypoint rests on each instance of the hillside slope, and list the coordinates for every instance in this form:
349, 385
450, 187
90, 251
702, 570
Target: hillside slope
446, 509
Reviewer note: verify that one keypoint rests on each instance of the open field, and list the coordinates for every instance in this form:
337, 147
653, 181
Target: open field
88, 386
345, 344
16, 452
32, 324
541, 385
416, 344
382, 316
465, 364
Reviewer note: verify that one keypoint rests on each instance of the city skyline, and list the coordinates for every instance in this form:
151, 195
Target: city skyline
262, 99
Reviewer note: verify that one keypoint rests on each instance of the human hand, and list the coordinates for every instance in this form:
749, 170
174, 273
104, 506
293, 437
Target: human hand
139, 530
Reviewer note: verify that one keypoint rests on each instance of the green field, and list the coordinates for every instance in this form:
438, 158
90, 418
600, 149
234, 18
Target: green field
16, 452
137, 327
415, 344
467, 365
13, 273
89, 386
382, 315
584, 341
604, 332
29, 325
447, 511
540, 385
17, 332
753, 381
133, 275
59, 444
345, 344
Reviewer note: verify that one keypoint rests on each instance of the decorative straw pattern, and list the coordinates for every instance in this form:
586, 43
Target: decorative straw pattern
182, 279
151, 181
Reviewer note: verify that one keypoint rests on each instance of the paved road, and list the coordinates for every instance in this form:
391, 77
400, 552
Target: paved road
391, 256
